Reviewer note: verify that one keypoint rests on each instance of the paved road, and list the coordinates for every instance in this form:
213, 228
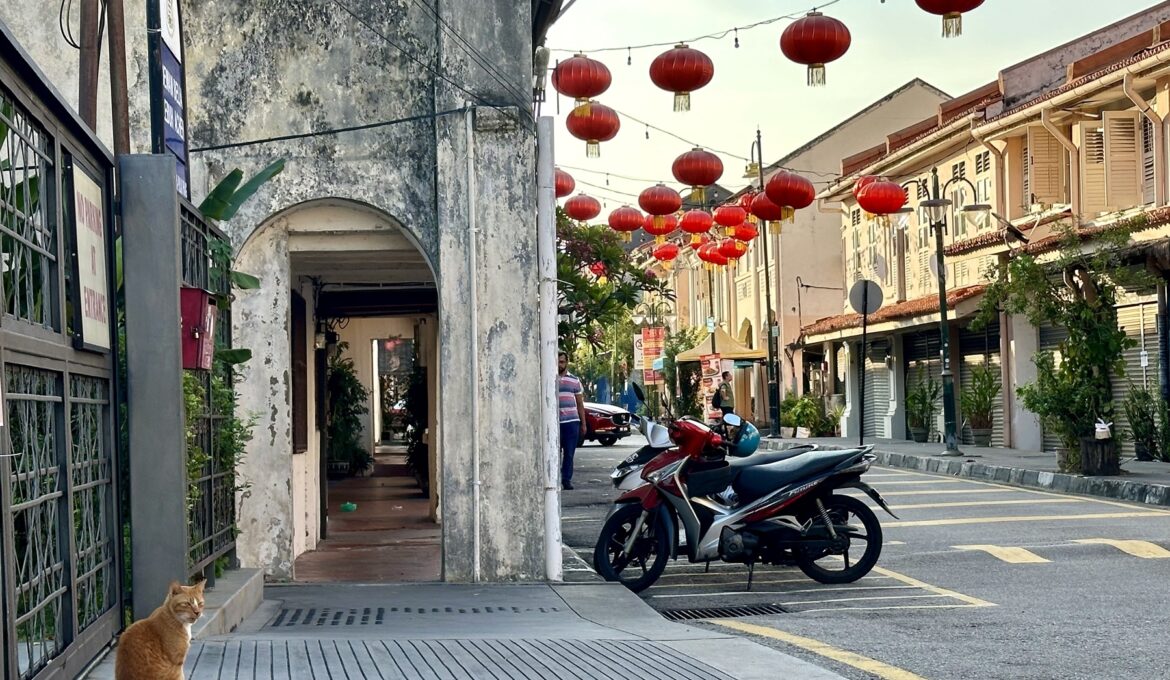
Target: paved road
976, 580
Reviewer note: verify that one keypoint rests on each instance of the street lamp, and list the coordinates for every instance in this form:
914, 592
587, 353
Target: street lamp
757, 164
653, 312
936, 207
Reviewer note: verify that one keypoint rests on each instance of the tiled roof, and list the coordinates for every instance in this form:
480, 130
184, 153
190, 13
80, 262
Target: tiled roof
996, 237
1084, 80
902, 310
1148, 219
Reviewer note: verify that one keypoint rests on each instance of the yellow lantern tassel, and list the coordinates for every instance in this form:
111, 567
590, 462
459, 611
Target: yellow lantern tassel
788, 214
816, 75
593, 149
696, 239
658, 221
627, 236
952, 24
584, 107
602, 280
698, 194
774, 228
682, 101
659, 240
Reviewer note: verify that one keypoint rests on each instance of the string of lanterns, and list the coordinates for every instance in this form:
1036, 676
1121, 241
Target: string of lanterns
813, 40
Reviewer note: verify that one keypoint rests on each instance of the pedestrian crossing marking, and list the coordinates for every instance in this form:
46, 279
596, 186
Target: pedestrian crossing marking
968, 504
862, 663
1136, 548
1010, 555
911, 581
1021, 518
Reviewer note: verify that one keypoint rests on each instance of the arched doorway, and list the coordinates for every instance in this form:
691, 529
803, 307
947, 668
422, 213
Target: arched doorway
344, 323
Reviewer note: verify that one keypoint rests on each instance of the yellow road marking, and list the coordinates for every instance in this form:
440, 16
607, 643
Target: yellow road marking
911, 581
1012, 555
862, 663
1023, 518
882, 609
1136, 548
968, 504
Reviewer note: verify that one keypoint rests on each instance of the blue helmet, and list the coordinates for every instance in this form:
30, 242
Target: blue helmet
749, 440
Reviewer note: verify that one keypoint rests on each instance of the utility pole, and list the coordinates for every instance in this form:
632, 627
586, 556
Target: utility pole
770, 336
119, 96
91, 49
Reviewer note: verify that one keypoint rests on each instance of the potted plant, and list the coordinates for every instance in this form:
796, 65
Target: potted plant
921, 402
1141, 410
979, 402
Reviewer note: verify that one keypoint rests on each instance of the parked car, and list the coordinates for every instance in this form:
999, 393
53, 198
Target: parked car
606, 424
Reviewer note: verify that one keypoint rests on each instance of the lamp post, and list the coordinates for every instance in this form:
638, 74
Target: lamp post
757, 156
937, 206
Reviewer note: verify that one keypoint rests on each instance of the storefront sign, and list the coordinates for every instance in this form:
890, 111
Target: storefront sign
639, 358
653, 346
92, 280
712, 369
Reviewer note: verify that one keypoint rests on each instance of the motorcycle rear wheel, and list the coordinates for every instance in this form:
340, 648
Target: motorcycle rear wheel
642, 568
819, 565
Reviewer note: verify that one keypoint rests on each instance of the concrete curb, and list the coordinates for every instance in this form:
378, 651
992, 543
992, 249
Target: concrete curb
233, 599
1134, 491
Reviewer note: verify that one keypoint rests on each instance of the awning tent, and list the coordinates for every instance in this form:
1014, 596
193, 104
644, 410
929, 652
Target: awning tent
725, 347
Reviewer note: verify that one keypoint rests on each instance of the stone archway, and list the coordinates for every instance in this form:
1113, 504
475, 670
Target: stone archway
329, 256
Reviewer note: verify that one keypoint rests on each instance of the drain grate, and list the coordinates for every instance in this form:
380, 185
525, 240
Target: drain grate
722, 612
376, 616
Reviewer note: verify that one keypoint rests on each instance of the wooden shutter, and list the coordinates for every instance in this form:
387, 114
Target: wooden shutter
1091, 140
1026, 189
1046, 167
1123, 160
1148, 172
299, 346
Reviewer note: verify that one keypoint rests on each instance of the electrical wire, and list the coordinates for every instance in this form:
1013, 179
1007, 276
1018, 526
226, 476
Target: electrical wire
330, 131
469, 49
65, 26
718, 35
437, 72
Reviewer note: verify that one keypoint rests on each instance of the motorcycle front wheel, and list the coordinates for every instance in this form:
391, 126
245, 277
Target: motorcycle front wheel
846, 563
639, 569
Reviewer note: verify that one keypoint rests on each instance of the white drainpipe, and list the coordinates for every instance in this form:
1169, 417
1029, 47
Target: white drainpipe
1159, 136
1074, 159
546, 227
473, 273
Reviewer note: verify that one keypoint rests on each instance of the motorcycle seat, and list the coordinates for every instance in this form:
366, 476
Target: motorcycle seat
757, 482
769, 457
718, 475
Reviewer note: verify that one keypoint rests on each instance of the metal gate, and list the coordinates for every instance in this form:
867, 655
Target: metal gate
60, 576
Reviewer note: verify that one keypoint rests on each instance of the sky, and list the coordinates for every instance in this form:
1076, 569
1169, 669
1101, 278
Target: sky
755, 85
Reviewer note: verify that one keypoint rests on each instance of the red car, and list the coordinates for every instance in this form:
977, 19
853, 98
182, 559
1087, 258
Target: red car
606, 424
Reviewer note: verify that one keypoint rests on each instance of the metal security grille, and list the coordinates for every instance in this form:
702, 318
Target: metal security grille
206, 257
722, 612
60, 569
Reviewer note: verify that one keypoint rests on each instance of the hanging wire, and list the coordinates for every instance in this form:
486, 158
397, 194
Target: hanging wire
718, 35
65, 26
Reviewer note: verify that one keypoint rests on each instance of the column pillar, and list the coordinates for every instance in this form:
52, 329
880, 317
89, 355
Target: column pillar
1020, 370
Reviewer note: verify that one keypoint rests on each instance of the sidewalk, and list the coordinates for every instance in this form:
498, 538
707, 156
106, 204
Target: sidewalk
1139, 482
585, 630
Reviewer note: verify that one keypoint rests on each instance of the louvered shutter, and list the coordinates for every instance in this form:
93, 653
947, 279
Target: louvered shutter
1148, 171
1046, 167
1091, 139
1140, 323
1123, 162
922, 352
1026, 194
877, 393
979, 348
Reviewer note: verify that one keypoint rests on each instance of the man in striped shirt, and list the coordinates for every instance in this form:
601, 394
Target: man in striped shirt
571, 403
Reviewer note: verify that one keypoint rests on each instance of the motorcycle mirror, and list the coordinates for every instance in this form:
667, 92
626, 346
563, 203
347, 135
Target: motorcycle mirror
639, 393
732, 420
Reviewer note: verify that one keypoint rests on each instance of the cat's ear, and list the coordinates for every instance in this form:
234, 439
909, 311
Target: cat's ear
176, 588
199, 586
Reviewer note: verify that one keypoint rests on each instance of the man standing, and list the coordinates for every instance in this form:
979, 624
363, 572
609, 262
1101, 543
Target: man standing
726, 394
571, 403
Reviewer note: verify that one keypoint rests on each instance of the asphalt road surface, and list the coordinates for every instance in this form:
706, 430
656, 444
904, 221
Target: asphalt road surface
976, 580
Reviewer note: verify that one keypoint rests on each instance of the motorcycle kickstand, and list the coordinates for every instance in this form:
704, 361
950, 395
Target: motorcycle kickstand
707, 569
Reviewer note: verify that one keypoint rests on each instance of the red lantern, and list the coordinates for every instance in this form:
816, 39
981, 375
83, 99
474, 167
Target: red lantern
659, 201
594, 123
699, 241
745, 202
766, 209
660, 226
815, 40
746, 233
696, 223
625, 220
581, 78
882, 198
564, 183
582, 208
951, 12
665, 253
710, 255
682, 70
598, 269
730, 216
699, 169
790, 189
862, 182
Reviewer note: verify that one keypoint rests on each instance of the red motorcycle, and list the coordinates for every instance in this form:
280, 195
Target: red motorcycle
781, 513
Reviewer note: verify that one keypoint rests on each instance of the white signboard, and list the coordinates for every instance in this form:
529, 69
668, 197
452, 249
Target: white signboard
639, 359
92, 281
168, 13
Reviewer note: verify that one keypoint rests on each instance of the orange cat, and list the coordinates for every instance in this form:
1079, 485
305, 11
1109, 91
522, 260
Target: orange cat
156, 647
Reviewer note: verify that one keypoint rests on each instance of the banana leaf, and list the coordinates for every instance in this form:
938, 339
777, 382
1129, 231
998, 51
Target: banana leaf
225, 199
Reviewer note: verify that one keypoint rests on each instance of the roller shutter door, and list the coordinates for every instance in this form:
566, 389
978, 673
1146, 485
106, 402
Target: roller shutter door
1140, 323
1050, 339
976, 348
922, 352
877, 390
